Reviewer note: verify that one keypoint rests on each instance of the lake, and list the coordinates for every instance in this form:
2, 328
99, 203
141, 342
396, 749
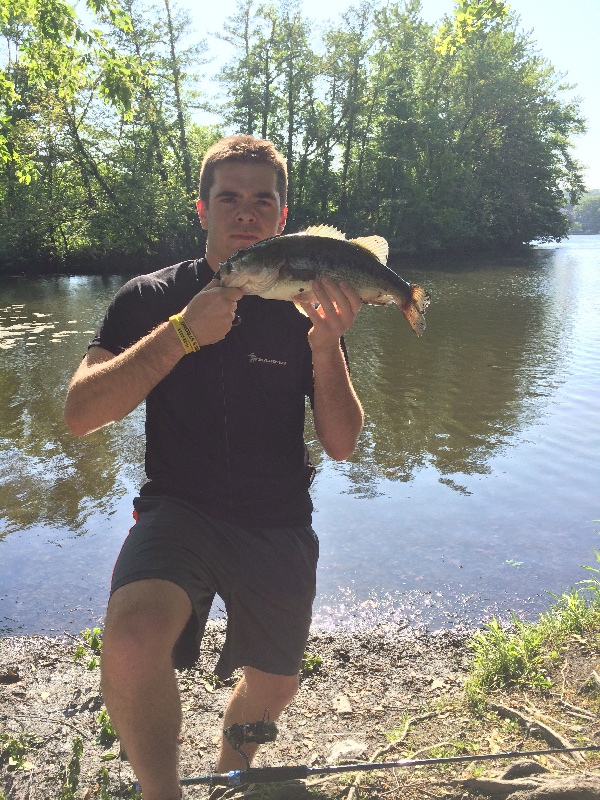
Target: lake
474, 491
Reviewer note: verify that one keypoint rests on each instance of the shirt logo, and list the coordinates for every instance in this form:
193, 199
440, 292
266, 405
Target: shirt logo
254, 359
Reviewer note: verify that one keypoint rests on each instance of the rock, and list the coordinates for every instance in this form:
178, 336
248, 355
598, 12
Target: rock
341, 704
575, 787
347, 750
523, 769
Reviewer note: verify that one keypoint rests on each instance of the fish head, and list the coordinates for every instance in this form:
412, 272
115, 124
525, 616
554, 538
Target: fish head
253, 269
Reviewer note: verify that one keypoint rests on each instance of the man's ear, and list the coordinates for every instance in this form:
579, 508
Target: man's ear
202, 213
282, 219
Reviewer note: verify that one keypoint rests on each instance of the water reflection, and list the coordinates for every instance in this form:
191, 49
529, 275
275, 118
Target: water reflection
497, 334
473, 432
47, 476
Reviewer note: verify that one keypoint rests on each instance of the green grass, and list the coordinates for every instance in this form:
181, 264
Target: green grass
14, 750
522, 653
89, 647
310, 664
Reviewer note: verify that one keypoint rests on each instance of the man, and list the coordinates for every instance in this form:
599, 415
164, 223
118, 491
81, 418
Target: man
226, 508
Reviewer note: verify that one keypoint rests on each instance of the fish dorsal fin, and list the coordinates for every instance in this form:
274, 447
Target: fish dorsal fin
327, 231
376, 245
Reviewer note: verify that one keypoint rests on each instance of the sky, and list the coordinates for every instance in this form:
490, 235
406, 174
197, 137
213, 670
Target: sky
567, 34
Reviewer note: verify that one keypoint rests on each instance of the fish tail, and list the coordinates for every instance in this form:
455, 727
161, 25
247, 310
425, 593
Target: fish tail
414, 308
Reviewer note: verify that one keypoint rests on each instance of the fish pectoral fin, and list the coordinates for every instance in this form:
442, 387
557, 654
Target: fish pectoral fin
327, 231
304, 297
376, 245
300, 308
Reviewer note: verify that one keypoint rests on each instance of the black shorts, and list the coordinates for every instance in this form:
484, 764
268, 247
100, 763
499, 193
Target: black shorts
265, 576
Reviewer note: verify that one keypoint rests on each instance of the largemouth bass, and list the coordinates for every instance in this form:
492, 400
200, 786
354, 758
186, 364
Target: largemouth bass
284, 268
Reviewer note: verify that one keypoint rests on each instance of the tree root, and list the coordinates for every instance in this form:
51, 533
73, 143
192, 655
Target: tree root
549, 735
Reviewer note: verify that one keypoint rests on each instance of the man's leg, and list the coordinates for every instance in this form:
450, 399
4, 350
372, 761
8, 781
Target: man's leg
256, 693
143, 622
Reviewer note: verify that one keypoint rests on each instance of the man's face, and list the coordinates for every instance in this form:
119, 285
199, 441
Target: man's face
244, 207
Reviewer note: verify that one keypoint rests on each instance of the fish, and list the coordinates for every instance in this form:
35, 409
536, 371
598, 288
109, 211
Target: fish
284, 268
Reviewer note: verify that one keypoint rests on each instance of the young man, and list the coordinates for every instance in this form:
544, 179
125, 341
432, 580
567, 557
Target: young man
225, 509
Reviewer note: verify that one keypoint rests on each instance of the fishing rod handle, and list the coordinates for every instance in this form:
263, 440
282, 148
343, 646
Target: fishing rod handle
240, 777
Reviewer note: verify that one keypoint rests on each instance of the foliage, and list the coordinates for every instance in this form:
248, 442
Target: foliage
505, 657
107, 735
91, 642
71, 778
438, 137
519, 655
103, 780
310, 664
593, 584
585, 216
14, 750
50, 49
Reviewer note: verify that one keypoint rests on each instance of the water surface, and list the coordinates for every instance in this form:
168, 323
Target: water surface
474, 490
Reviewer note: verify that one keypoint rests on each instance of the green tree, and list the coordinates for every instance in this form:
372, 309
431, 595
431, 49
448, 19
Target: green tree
586, 214
394, 172
251, 73
50, 45
110, 185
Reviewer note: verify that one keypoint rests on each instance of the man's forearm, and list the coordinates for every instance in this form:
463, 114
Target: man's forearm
105, 389
338, 413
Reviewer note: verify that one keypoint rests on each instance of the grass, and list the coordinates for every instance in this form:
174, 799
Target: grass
520, 655
14, 750
310, 664
90, 643
71, 775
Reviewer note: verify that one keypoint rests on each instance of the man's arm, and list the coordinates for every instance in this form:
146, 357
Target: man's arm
105, 387
337, 411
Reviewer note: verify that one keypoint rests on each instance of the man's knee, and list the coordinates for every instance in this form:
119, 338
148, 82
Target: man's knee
279, 689
145, 616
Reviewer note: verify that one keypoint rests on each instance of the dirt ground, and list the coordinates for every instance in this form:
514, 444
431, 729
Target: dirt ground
378, 696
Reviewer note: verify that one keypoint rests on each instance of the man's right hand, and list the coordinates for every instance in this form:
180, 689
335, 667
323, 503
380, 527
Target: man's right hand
210, 313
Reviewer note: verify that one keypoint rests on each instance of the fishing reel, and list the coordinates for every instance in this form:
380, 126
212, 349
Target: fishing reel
250, 733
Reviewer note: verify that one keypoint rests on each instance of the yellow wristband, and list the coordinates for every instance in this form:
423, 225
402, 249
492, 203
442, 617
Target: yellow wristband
188, 340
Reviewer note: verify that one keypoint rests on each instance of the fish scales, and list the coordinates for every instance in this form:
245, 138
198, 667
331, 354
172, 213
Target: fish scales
285, 267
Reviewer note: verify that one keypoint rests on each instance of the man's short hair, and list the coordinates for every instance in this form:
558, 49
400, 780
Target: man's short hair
245, 150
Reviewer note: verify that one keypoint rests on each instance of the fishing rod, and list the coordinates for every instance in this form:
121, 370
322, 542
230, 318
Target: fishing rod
265, 731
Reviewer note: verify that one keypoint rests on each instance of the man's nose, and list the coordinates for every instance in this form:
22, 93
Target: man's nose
246, 213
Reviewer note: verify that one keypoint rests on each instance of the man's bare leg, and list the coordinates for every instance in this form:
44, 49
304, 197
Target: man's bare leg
256, 693
143, 622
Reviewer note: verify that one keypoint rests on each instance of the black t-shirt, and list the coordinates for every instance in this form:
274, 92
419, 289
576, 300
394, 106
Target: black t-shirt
225, 428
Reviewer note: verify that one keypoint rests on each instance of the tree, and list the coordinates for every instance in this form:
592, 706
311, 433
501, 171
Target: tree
586, 214
48, 44
250, 75
454, 136
109, 184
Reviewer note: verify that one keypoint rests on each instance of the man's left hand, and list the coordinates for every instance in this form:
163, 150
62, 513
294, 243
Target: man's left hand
338, 306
